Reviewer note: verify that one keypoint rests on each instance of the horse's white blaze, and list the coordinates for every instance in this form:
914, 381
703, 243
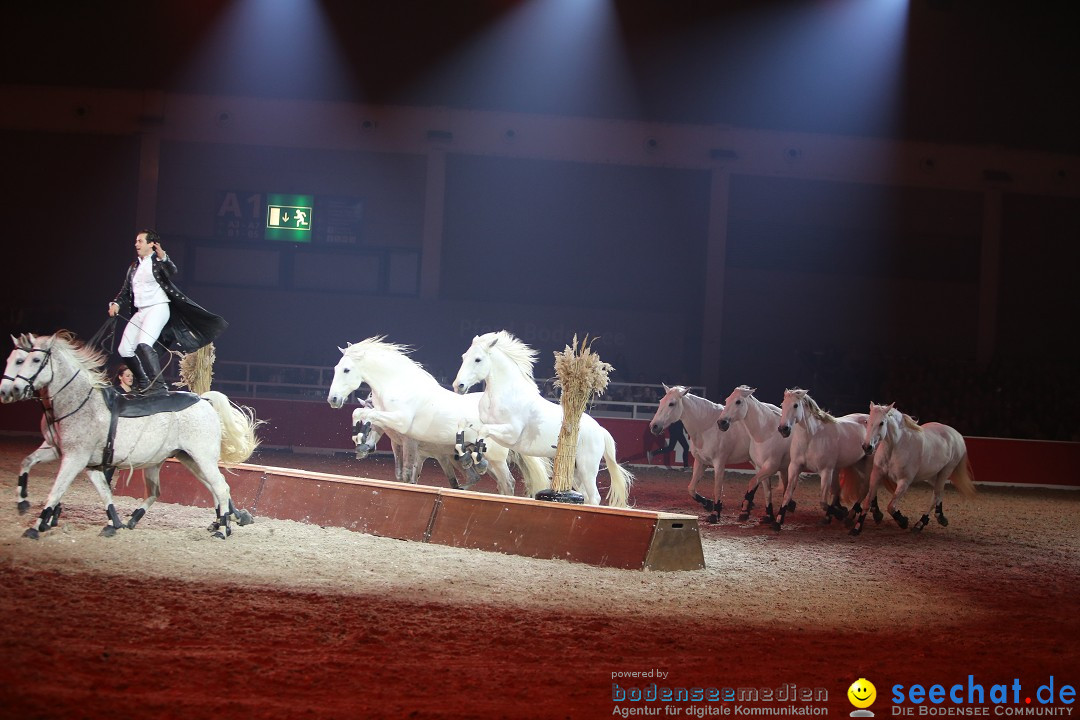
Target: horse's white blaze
513, 412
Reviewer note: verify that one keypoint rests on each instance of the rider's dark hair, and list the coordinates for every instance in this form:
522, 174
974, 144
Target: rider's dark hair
152, 236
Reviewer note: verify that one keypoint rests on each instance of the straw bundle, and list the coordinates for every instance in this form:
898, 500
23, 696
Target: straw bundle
197, 369
581, 377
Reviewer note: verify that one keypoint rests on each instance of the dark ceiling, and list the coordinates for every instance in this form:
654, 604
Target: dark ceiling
971, 72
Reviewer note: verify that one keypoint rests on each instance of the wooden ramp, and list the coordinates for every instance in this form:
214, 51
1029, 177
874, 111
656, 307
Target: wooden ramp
610, 537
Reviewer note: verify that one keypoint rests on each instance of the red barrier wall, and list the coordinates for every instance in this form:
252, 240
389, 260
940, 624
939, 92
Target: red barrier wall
306, 424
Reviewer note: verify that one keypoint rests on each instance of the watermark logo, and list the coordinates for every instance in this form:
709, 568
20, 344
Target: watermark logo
862, 694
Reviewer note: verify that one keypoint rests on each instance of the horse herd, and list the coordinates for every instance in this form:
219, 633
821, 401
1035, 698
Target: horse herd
90, 426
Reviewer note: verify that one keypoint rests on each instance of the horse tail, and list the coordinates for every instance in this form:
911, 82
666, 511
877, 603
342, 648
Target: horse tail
963, 477
621, 478
238, 425
853, 483
535, 471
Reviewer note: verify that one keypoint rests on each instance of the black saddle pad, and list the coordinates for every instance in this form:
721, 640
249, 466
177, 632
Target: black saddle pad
134, 406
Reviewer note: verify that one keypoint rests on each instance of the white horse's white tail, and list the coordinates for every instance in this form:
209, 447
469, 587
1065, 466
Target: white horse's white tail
963, 477
238, 425
621, 479
535, 471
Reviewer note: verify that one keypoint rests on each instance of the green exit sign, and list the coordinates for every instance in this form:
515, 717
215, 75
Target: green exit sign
288, 217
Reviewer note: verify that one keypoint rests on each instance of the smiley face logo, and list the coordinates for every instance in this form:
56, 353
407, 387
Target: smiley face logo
862, 693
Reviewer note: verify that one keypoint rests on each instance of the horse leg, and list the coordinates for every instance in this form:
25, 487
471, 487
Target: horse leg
70, 466
97, 478
902, 486
748, 500
830, 496
695, 477
44, 453
870, 500
153, 492
935, 504
504, 480
411, 462
399, 462
587, 482
715, 505
206, 471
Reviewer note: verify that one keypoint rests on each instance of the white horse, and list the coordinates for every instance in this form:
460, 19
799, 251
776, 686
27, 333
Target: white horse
709, 446
826, 445
908, 452
409, 455
514, 414
769, 450
409, 401
74, 394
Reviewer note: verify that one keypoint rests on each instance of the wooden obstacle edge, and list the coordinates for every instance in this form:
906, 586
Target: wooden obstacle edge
610, 537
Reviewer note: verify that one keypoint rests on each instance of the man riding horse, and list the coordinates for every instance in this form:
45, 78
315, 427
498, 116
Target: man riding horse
157, 312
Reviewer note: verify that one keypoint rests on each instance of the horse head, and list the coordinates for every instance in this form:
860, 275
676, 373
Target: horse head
669, 410
475, 364
28, 368
876, 426
347, 377
735, 406
793, 410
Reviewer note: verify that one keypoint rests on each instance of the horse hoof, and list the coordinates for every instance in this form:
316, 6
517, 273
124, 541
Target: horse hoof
31, 533
743, 517
713, 518
878, 516
854, 531
840, 513
917, 528
943, 521
767, 520
23, 506
219, 535
902, 522
776, 526
107, 531
482, 466
791, 506
243, 517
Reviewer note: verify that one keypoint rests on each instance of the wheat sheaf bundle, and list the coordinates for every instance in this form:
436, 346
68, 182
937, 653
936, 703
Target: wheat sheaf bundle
197, 370
581, 375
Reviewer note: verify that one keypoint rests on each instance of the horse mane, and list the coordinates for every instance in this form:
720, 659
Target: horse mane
378, 345
911, 423
82, 356
523, 356
815, 409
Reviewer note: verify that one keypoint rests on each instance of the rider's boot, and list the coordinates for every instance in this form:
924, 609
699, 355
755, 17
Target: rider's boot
137, 372
152, 367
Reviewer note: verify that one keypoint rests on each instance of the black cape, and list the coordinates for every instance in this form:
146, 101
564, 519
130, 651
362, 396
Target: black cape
190, 326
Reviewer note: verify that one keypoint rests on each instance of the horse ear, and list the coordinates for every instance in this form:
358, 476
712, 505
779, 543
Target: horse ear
666, 388
684, 391
892, 405
342, 350
492, 344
